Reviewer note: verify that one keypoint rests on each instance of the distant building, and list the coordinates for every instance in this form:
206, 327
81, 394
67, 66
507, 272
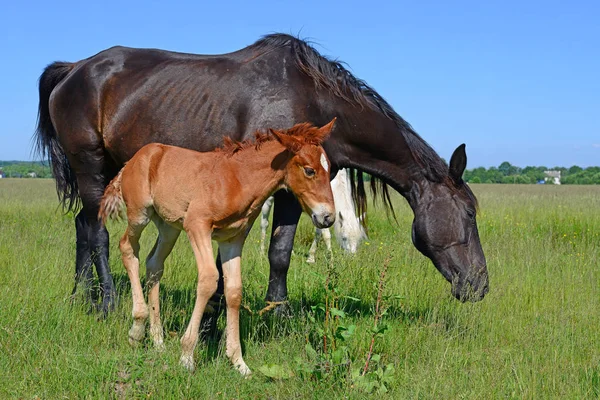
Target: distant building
552, 177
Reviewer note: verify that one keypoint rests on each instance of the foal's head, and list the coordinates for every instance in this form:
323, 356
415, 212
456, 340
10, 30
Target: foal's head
307, 171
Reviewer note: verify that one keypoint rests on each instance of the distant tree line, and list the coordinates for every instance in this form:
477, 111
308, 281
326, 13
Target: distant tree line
508, 173
25, 169
504, 173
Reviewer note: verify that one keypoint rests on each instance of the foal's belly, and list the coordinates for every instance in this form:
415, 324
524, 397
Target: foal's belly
223, 233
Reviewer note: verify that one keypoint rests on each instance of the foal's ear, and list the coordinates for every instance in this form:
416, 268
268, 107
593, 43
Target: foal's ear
325, 130
458, 163
289, 142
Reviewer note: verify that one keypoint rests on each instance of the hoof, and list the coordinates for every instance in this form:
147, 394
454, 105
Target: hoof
159, 346
310, 260
136, 334
244, 370
284, 310
156, 333
109, 303
187, 362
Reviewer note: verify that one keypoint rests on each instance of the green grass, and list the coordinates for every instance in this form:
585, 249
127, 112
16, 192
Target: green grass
534, 336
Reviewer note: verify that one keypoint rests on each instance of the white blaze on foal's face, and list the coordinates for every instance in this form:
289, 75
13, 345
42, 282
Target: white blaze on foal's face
324, 162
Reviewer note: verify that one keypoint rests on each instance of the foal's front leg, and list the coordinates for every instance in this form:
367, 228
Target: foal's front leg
208, 277
232, 275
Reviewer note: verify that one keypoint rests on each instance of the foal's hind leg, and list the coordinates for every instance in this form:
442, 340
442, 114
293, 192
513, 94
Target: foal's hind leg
130, 248
155, 263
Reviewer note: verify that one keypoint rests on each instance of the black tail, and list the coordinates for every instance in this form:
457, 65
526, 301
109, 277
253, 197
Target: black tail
46, 142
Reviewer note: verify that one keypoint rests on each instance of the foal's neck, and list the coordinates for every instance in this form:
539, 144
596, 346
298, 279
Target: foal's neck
261, 171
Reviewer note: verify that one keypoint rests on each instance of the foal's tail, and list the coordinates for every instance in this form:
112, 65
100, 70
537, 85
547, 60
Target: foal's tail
112, 203
46, 141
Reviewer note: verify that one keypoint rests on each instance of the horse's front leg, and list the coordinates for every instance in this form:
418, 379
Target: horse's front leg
286, 214
232, 275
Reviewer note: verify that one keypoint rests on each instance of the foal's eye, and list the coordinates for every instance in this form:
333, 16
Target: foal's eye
309, 172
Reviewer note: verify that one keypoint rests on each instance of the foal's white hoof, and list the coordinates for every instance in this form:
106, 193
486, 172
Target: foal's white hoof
310, 260
136, 334
159, 346
244, 370
187, 362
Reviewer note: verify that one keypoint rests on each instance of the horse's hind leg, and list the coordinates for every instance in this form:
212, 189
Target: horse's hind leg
83, 260
155, 263
89, 167
130, 247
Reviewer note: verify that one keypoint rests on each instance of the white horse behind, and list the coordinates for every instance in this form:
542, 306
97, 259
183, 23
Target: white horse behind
347, 227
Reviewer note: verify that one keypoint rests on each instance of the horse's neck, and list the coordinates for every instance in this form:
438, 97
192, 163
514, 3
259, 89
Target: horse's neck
373, 143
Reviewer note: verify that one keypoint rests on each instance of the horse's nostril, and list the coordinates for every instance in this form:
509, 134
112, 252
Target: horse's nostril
328, 219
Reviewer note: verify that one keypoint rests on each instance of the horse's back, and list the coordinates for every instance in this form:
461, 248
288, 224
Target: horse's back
128, 97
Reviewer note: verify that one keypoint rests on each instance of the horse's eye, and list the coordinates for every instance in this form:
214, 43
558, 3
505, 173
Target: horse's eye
309, 172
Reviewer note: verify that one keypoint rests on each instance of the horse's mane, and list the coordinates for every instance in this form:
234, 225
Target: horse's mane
332, 75
306, 133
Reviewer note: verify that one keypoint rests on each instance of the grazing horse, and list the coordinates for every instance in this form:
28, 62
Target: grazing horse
95, 114
176, 189
348, 229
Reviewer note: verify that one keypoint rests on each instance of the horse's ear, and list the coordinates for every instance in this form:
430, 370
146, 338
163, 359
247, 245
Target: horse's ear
458, 163
287, 141
325, 130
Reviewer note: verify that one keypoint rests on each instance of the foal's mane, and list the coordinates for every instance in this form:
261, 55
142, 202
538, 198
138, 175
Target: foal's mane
306, 133
332, 75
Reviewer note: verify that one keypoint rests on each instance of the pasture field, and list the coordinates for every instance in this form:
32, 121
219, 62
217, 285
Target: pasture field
535, 335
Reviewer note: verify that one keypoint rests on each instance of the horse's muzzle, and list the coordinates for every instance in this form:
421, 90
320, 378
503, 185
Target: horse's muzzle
472, 289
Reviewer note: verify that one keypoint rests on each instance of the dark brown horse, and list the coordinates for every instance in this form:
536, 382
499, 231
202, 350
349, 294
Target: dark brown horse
96, 113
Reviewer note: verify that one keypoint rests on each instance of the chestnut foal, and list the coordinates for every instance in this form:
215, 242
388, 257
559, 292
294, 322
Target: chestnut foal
214, 195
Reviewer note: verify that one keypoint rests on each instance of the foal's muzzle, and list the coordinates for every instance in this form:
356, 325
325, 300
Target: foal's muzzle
322, 217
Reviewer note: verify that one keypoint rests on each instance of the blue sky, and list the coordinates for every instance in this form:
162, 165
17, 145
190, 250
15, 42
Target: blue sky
516, 81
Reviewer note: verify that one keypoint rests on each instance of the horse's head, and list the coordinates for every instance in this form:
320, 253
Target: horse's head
445, 230
307, 171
